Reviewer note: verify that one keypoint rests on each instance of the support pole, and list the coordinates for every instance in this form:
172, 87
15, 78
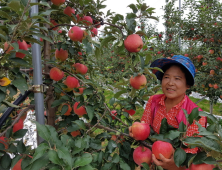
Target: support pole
37, 65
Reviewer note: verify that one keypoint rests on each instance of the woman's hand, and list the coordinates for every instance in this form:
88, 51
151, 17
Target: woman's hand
165, 163
130, 130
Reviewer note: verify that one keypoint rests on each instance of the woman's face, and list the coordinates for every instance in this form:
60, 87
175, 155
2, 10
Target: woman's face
174, 83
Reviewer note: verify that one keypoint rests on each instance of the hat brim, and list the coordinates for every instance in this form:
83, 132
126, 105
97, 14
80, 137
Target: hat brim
160, 63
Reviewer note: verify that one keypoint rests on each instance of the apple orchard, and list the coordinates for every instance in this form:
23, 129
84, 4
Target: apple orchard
85, 54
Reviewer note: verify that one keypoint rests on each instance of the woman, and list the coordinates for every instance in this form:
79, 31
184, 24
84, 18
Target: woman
178, 76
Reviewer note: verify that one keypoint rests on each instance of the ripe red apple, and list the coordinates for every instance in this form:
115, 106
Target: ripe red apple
140, 131
216, 86
186, 55
202, 166
138, 82
18, 165
114, 138
165, 148
94, 32
79, 111
75, 133
71, 82
58, 2
56, 74
142, 154
69, 11
133, 43
160, 35
80, 68
131, 111
211, 51
4, 142
97, 22
61, 54
81, 89
158, 52
113, 112
17, 126
87, 20
212, 72
22, 46
54, 23
75, 33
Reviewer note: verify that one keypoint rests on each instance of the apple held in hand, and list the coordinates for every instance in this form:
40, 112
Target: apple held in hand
140, 131
164, 148
133, 43
138, 82
142, 154
202, 166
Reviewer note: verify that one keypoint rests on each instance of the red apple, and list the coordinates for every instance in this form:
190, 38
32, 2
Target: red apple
75, 133
211, 51
81, 89
114, 138
80, 68
202, 166
17, 126
87, 20
216, 86
142, 154
97, 22
94, 32
186, 55
56, 74
61, 54
212, 72
113, 112
58, 2
69, 11
138, 82
131, 111
133, 43
140, 131
71, 82
164, 148
75, 33
79, 111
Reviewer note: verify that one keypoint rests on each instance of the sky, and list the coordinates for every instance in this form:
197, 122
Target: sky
120, 6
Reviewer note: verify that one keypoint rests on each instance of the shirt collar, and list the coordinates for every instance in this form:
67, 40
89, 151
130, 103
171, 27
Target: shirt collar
178, 106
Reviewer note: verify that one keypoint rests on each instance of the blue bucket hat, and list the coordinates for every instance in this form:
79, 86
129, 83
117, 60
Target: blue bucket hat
179, 59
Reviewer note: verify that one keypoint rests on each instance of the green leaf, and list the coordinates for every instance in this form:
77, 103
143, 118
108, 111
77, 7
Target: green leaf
21, 84
21, 147
40, 151
145, 166
87, 167
182, 127
64, 109
131, 24
15, 160
13, 90
97, 53
64, 154
142, 62
95, 144
18, 61
53, 156
24, 2
172, 134
133, 7
140, 33
80, 123
179, 156
5, 161
106, 40
194, 115
43, 131
2, 96
164, 126
20, 133
15, 46
111, 146
116, 158
43, 37
112, 101
87, 45
119, 93
83, 160
124, 165
90, 112
198, 159
4, 14
58, 102
39, 163
47, 12
15, 6
210, 116
203, 142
